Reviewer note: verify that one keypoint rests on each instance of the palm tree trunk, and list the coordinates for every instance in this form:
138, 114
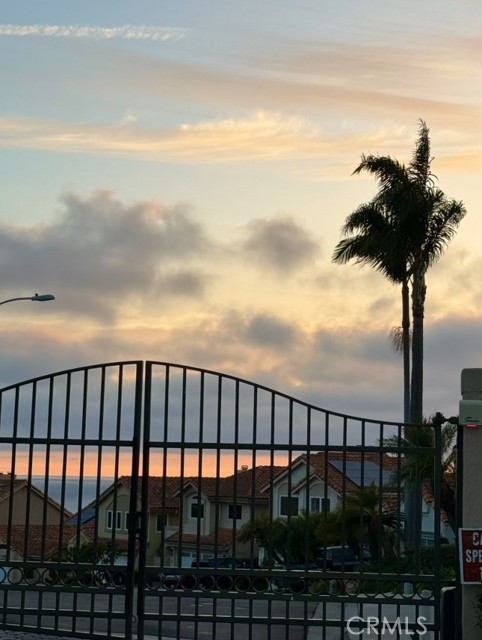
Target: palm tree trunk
409, 490
406, 350
418, 308
413, 492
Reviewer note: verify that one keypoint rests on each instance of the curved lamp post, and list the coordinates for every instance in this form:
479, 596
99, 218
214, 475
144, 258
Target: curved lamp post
44, 297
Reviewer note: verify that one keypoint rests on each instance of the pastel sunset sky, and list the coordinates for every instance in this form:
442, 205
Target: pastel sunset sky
177, 174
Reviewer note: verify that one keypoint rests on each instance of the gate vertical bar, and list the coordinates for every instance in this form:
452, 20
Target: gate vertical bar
143, 515
133, 525
437, 566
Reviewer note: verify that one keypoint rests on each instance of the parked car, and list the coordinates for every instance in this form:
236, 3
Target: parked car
340, 558
229, 563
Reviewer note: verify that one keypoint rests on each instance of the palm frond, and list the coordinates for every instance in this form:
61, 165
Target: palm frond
419, 169
369, 217
396, 338
373, 242
446, 215
390, 173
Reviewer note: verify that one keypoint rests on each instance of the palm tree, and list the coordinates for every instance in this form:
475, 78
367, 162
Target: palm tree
292, 541
422, 223
269, 535
402, 232
363, 517
419, 467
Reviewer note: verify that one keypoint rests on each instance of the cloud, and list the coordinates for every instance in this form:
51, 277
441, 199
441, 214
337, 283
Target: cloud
260, 124
280, 244
100, 253
126, 32
343, 369
347, 80
266, 330
256, 137
183, 283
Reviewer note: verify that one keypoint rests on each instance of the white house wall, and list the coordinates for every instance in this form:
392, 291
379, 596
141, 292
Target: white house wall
193, 525
316, 490
225, 522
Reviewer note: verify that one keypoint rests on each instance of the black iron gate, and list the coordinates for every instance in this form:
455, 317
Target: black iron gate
159, 500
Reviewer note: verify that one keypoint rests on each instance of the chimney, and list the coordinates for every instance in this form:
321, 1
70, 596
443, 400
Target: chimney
244, 467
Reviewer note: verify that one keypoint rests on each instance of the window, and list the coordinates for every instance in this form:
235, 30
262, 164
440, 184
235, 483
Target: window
319, 505
315, 505
197, 508
235, 512
126, 521
288, 506
118, 519
161, 521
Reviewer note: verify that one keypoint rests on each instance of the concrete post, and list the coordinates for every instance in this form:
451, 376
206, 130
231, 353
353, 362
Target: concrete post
471, 496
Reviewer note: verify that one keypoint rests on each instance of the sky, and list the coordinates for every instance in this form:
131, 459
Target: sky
177, 174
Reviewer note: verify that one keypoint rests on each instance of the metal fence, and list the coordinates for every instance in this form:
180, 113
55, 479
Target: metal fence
159, 500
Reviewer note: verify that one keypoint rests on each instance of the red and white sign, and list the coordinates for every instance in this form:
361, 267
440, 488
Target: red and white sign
470, 553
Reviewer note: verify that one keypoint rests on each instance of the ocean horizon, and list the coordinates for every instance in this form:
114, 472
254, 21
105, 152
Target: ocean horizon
76, 489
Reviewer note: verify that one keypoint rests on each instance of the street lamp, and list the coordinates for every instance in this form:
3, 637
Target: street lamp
43, 297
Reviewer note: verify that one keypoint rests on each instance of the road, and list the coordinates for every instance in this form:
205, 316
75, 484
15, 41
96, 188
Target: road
239, 618
193, 616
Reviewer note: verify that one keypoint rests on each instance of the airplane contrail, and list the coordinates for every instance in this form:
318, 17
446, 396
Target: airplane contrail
126, 32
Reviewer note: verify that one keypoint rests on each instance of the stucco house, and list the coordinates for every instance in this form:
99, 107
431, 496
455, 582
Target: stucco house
190, 519
318, 482
21, 503
32, 524
39, 542
194, 519
214, 510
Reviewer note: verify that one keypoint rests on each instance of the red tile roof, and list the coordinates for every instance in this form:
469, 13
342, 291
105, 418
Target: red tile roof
321, 467
336, 479
222, 537
163, 493
28, 541
246, 484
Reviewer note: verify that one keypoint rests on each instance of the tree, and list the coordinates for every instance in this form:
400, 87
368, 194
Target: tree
364, 518
269, 535
420, 464
402, 232
361, 518
92, 553
295, 540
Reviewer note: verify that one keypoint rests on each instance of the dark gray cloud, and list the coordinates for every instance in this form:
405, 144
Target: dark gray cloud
267, 330
451, 344
384, 304
370, 345
280, 244
99, 251
183, 283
